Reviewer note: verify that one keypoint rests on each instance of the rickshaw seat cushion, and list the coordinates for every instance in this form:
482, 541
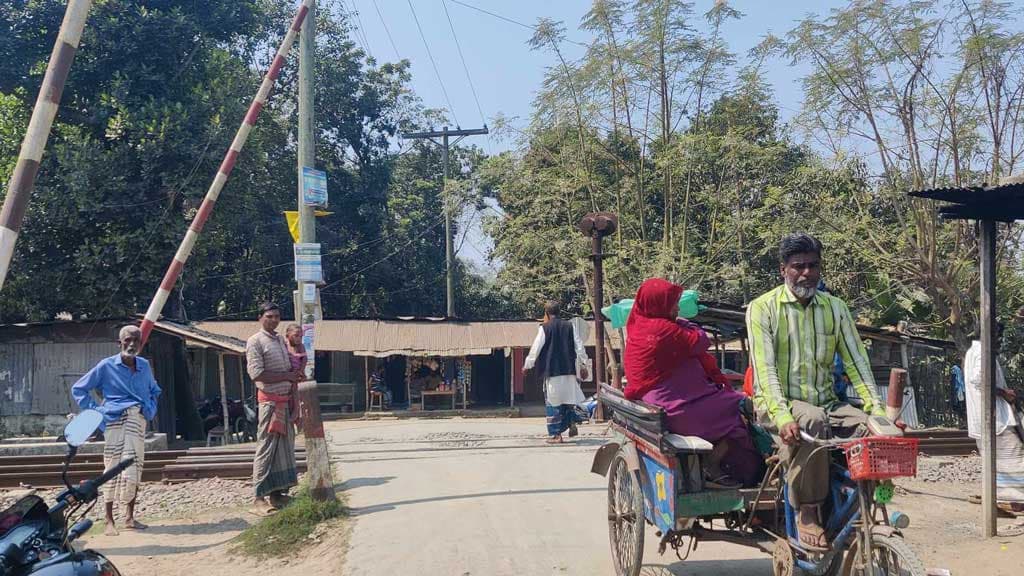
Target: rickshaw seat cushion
692, 444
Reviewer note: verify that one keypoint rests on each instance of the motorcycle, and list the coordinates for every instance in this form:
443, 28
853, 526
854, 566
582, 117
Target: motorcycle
245, 425
211, 412
37, 541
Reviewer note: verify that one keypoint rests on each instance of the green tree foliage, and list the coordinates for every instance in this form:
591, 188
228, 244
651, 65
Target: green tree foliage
156, 93
914, 95
661, 123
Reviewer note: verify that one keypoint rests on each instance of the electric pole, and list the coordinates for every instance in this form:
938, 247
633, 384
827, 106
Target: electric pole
321, 481
449, 256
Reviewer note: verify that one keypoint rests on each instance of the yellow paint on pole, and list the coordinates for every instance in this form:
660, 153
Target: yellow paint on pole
292, 217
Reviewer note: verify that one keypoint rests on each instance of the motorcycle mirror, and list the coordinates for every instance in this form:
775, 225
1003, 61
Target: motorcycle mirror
82, 427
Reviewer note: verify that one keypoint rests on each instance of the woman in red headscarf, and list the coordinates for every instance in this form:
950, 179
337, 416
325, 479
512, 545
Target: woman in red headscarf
668, 365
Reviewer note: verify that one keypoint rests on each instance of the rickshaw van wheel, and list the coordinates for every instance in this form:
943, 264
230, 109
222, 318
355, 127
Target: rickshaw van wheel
894, 555
626, 522
783, 563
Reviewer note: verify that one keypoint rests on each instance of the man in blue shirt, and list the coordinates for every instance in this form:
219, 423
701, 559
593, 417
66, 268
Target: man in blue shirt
130, 394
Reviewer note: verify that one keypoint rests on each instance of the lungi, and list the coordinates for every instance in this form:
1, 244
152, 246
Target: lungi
125, 438
560, 418
273, 467
1009, 466
561, 396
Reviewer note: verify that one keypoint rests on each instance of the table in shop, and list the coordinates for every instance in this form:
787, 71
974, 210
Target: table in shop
425, 393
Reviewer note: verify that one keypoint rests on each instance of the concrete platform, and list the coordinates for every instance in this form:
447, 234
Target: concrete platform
29, 446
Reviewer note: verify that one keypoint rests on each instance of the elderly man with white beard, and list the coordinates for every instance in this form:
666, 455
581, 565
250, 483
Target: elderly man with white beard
130, 392
795, 332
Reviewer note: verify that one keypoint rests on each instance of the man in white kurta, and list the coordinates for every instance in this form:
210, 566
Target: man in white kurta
559, 355
1009, 445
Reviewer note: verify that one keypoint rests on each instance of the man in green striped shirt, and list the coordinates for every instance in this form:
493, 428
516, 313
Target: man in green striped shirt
795, 332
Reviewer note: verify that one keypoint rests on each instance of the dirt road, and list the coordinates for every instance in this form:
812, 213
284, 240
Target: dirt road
488, 497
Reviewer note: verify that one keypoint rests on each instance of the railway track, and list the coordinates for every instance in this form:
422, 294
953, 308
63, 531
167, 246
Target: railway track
161, 465
236, 462
945, 442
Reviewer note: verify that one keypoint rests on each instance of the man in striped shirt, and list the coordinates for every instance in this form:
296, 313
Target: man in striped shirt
795, 332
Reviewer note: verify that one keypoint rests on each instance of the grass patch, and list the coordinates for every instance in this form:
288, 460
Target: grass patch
288, 530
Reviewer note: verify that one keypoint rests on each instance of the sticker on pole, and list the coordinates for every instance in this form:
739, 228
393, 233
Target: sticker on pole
308, 332
314, 187
307, 263
309, 293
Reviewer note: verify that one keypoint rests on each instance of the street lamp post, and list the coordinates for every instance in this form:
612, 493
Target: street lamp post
596, 226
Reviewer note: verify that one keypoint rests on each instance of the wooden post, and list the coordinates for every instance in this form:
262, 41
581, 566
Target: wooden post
223, 398
318, 461
241, 383
746, 358
987, 249
512, 380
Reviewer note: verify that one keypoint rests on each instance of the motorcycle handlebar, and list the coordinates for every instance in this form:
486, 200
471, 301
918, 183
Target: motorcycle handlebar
112, 473
89, 490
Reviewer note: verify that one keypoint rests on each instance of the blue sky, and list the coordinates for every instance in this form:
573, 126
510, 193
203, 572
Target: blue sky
507, 74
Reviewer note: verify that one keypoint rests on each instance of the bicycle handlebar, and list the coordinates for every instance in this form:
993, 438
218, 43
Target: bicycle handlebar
805, 437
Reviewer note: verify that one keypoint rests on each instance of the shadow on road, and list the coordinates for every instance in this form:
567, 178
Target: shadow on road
362, 482
392, 505
157, 550
220, 527
748, 567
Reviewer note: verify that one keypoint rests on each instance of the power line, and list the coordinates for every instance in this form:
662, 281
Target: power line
498, 16
386, 29
349, 12
433, 63
511, 21
347, 251
362, 29
472, 88
400, 249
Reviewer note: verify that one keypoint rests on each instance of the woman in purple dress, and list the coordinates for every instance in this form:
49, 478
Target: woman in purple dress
668, 365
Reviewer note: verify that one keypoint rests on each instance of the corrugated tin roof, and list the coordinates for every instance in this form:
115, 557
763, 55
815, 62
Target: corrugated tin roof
407, 337
194, 334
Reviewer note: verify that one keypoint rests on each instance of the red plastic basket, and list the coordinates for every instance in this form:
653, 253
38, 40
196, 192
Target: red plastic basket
879, 458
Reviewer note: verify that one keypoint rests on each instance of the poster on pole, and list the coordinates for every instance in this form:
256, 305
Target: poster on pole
314, 187
309, 293
308, 331
308, 266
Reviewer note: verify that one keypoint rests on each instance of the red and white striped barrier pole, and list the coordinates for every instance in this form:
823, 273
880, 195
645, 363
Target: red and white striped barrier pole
19, 189
189, 242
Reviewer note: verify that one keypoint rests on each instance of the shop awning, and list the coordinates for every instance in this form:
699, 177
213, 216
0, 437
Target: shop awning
412, 337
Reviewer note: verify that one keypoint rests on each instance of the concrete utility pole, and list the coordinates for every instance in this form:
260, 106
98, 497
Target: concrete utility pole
321, 480
449, 256
19, 189
987, 254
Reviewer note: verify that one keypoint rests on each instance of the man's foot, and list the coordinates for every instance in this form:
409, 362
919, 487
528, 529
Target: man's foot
554, 439
573, 430
279, 501
133, 524
812, 535
260, 507
110, 530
